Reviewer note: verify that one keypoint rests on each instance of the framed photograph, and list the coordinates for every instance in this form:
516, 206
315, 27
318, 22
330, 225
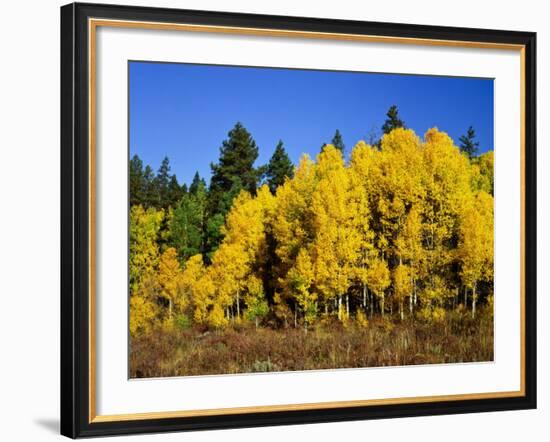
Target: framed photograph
273, 220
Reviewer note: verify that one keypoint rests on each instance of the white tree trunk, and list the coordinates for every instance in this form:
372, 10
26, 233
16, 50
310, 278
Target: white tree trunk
371, 304
474, 299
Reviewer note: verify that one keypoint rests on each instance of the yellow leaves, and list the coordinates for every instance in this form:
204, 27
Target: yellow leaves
402, 282
432, 314
476, 239
362, 160
197, 284
169, 274
393, 223
292, 224
143, 313
255, 300
378, 277
409, 242
448, 181
144, 251
216, 317
482, 173
402, 141
361, 319
300, 278
337, 240
330, 160
301, 275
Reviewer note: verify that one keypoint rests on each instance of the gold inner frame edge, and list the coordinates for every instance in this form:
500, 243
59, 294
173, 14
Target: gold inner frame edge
93, 24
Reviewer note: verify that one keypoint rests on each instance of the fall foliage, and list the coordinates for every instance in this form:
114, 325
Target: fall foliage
402, 231
406, 228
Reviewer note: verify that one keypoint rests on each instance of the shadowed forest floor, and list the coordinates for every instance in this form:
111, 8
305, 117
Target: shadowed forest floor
328, 345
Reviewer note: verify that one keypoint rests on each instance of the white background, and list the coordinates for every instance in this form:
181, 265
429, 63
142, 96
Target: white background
29, 225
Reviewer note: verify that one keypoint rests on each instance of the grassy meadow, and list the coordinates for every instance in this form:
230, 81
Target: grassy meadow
329, 345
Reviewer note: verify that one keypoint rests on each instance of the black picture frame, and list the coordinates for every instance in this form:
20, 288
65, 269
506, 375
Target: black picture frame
75, 221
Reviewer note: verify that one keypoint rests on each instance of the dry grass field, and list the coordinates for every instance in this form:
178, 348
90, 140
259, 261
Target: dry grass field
328, 345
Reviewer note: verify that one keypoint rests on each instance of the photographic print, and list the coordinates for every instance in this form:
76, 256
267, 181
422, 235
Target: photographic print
291, 219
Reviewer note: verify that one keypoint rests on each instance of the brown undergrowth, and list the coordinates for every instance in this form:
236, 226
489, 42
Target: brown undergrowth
328, 345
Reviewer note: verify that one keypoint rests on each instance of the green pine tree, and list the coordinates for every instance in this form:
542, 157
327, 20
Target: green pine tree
197, 183
175, 191
278, 168
393, 121
185, 228
137, 181
237, 156
213, 233
338, 142
162, 183
150, 192
468, 145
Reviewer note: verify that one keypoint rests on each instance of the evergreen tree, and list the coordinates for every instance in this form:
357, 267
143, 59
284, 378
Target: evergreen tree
197, 183
237, 156
468, 145
137, 181
392, 120
278, 168
338, 142
150, 194
185, 227
162, 183
175, 191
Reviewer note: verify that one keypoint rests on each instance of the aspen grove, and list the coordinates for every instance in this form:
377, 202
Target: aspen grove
401, 231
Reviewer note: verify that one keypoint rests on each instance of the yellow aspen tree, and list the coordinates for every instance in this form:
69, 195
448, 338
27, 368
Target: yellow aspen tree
144, 310
409, 250
379, 280
197, 286
169, 279
256, 304
448, 186
300, 279
336, 246
216, 316
144, 250
292, 226
242, 252
393, 177
482, 172
475, 249
361, 161
397, 184
402, 285
229, 269
143, 261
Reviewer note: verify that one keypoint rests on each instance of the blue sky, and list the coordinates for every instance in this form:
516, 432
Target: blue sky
184, 111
